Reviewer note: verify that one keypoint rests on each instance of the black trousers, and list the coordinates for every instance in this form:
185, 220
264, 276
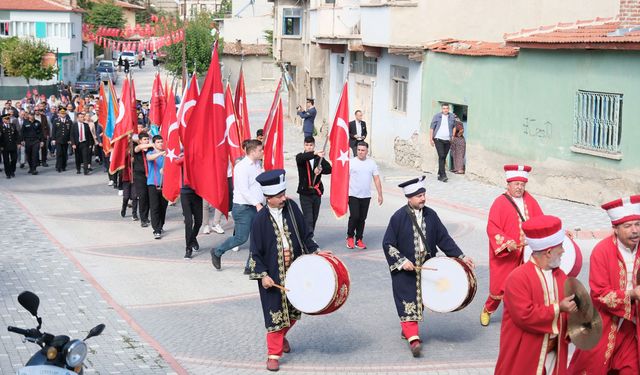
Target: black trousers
192, 212
10, 158
310, 204
62, 150
157, 208
442, 148
31, 151
358, 210
83, 156
140, 182
129, 192
43, 152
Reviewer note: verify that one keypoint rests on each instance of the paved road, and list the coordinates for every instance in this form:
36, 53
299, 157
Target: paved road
63, 238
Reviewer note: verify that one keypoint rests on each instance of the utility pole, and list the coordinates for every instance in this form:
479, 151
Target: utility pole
184, 46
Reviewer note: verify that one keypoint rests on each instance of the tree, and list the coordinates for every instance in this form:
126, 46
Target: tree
105, 14
23, 58
198, 41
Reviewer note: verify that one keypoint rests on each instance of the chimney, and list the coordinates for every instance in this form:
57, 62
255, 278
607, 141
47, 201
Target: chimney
629, 13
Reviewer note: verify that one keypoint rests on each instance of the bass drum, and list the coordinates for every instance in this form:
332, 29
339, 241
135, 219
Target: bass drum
571, 262
450, 287
317, 284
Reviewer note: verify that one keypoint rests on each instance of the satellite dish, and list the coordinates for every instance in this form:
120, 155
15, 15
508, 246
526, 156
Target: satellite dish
349, 15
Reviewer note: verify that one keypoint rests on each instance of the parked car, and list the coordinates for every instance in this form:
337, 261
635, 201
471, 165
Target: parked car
131, 56
108, 70
89, 81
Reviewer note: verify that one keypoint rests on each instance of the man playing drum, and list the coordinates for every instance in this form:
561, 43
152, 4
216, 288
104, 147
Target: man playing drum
506, 239
278, 236
534, 324
615, 292
411, 238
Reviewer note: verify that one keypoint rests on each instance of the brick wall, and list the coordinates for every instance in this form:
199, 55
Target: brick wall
630, 12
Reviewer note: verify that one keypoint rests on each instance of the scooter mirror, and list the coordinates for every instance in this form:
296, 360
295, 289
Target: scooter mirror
29, 301
95, 331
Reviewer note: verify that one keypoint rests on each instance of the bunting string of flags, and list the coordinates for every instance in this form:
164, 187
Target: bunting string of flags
104, 37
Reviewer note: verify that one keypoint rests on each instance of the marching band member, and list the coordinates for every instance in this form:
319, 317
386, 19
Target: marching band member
411, 238
506, 239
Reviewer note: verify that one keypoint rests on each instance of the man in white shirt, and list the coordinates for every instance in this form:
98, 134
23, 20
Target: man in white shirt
440, 134
361, 171
247, 200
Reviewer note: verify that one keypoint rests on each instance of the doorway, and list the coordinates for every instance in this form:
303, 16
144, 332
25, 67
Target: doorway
459, 144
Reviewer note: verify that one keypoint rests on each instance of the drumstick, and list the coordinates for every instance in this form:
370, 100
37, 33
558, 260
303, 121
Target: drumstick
280, 287
425, 268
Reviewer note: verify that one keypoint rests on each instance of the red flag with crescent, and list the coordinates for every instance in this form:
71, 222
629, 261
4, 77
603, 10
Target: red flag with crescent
339, 156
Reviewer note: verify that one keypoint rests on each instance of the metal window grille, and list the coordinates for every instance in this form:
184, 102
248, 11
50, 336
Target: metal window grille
399, 87
598, 121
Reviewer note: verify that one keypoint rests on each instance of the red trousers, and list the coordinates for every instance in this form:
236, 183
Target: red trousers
275, 341
492, 304
410, 330
624, 359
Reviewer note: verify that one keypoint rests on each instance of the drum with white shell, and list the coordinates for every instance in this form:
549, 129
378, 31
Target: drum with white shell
571, 262
448, 284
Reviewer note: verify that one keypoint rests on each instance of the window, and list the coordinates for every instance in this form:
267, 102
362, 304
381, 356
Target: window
330, 1
598, 122
292, 19
399, 87
362, 64
194, 9
4, 28
267, 70
182, 9
73, 30
203, 7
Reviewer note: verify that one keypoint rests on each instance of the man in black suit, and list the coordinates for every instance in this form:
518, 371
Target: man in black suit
61, 139
9, 140
81, 142
357, 131
311, 166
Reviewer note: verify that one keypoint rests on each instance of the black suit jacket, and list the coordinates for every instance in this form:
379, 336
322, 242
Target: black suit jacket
9, 137
75, 134
352, 132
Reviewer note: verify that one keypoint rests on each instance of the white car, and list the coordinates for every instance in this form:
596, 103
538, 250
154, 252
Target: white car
131, 56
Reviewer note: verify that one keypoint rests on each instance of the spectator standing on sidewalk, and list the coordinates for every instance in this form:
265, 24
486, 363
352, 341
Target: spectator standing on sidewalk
458, 147
309, 117
362, 171
440, 134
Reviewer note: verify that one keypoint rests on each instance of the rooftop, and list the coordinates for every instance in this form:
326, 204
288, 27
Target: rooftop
472, 48
239, 49
37, 5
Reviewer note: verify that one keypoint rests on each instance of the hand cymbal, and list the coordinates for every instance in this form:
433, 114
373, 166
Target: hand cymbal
585, 324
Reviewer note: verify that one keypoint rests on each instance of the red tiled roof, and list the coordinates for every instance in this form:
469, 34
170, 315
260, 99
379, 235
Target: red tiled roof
472, 48
582, 34
246, 49
121, 4
37, 5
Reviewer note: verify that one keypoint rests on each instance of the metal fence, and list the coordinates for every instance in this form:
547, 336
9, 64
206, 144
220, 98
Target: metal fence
598, 123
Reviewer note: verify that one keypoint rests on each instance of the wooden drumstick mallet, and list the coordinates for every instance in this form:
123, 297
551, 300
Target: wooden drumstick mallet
425, 268
280, 287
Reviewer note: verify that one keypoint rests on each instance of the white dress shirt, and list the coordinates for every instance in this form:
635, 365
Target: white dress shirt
246, 190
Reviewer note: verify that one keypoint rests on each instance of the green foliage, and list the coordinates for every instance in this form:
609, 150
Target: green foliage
23, 58
268, 35
199, 42
224, 10
105, 14
144, 16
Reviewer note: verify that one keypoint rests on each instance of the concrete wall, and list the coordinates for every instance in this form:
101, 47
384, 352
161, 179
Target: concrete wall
504, 95
251, 22
256, 72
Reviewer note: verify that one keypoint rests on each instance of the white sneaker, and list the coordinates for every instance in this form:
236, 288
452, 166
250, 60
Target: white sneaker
236, 249
110, 183
206, 229
120, 192
218, 229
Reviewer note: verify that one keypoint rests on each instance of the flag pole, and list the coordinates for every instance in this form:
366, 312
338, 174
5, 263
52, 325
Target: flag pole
326, 140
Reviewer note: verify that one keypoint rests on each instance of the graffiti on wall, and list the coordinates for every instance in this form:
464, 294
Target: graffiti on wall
538, 129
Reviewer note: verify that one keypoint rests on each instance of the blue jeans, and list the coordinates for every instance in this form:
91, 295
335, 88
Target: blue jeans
243, 218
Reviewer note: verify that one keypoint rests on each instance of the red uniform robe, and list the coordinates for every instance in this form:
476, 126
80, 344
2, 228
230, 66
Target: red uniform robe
529, 320
504, 228
608, 283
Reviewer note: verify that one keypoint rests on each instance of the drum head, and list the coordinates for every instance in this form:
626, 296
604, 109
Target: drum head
568, 261
311, 282
446, 289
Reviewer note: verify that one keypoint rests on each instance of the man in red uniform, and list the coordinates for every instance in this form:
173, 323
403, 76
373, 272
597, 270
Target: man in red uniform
506, 239
534, 326
615, 294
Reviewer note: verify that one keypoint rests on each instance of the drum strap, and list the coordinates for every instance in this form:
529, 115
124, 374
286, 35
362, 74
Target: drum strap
295, 228
514, 206
418, 229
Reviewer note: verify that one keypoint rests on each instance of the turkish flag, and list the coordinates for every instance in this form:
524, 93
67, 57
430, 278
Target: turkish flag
134, 107
171, 136
274, 141
240, 104
189, 99
272, 110
124, 127
158, 102
233, 131
206, 152
339, 156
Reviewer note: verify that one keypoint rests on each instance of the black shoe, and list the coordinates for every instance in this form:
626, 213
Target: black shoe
77, 171
445, 179
123, 212
187, 253
30, 171
45, 165
135, 218
13, 175
34, 173
157, 235
195, 245
246, 272
215, 260
87, 173
144, 224
22, 166
64, 169
8, 177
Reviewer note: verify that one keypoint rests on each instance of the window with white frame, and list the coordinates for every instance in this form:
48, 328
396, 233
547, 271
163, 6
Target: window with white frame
399, 87
598, 122
25, 29
267, 70
292, 21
